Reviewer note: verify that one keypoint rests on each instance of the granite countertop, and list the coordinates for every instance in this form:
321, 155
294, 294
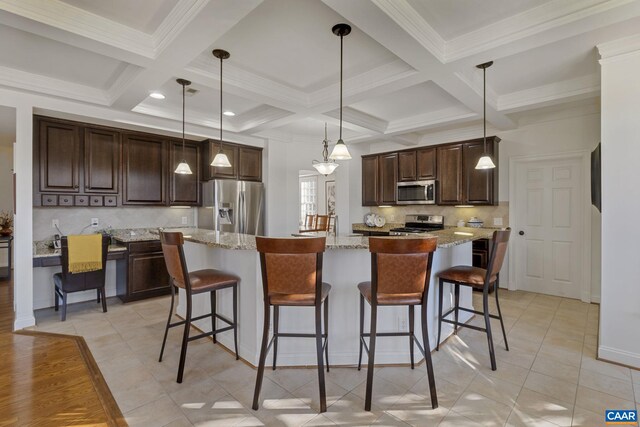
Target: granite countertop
42, 249
385, 228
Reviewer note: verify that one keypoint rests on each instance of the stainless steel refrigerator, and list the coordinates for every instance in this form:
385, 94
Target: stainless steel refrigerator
232, 206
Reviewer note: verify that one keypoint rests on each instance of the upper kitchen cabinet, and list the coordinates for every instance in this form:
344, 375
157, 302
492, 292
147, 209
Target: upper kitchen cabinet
370, 188
184, 190
388, 179
249, 163
449, 159
144, 170
58, 156
102, 159
246, 162
417, 165
480, 185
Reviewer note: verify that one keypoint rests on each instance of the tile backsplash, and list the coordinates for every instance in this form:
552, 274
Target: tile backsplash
451, 213
73, 220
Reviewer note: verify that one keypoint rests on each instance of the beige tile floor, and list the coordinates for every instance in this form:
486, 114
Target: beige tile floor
549, 378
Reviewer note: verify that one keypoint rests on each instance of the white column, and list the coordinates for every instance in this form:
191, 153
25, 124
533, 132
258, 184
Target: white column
619, 339
23, 281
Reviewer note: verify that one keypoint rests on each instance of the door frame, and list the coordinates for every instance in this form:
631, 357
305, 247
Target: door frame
585, 161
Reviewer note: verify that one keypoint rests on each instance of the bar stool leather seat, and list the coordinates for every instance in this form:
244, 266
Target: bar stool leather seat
299, 299
390, 299
209, 279
472, 276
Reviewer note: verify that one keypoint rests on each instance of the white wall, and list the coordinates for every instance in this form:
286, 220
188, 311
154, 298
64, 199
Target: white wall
6, 188
620, 308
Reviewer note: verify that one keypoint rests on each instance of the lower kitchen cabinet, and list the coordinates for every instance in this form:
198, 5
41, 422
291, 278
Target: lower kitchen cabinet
144, 272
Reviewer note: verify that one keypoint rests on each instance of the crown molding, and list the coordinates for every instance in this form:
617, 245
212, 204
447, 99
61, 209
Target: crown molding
619, 49
553, 93
122, 82
261, 115
193, 118
474, 81
442, 117
385, 74
543, 18
417, 27
359, 119
175, 22
60, 15
18, 79
235, 76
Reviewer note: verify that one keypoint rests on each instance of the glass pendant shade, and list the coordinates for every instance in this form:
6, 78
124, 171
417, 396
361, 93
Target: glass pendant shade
340, 151
183, 168
485, 162
221, 161
325, 168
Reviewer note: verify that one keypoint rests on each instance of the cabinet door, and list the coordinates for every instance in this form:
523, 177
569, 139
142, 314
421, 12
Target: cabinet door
370, 190
249, 164
232, 153
407, 166
426, 163
59, 157
102, 152
147, 274
450, 175
184, 189
145, 165
478, 183
388, 179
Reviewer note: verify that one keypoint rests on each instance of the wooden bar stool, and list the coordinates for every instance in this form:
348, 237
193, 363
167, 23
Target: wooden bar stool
479, 278
400, 275
292, 276
195, 282
322, 223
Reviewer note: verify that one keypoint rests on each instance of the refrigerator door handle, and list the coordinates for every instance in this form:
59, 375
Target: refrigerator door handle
242, 214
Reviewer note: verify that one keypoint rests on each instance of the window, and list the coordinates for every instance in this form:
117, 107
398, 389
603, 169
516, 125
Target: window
308, 196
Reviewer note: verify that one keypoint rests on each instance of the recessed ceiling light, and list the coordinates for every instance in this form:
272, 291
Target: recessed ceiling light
156, 95
229, 113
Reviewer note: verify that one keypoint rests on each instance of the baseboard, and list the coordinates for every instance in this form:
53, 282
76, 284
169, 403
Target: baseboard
24, 322
613, 355
595, 299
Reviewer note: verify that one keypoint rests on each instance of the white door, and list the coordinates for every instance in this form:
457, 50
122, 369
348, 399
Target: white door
548, 226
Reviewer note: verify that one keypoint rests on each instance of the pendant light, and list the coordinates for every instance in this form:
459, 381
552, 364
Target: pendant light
183, 167
340, 151
326, 167
485, 161
221, 160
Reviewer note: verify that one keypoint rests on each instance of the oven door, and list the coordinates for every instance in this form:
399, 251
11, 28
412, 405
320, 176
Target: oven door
417, 193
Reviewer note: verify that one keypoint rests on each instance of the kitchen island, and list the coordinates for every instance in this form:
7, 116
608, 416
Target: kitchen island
347, 262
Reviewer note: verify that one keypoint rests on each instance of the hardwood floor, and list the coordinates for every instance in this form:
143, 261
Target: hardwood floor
49, 379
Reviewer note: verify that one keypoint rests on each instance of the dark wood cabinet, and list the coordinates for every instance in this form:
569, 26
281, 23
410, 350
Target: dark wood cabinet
480, 185
388, 179
370, 187
407, 166
426, 163
210, 149
102, 159
249, 163
58, 156
144, 274
144, 170
184, 190
449, 167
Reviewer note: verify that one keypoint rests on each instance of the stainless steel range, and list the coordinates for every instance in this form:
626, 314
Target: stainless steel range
416, 224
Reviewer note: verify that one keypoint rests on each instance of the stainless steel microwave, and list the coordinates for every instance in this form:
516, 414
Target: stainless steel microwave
417, 192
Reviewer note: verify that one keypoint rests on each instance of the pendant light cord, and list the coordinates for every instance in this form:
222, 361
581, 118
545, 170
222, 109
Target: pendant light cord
341, 56
484, 108
220, 150
183, 89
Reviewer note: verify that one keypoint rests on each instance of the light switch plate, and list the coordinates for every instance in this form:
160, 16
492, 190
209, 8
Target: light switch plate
184, 220
497, 221
95, 222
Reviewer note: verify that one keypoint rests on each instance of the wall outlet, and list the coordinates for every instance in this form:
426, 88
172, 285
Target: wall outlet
55, 223
497, 221
184, 220
95, 222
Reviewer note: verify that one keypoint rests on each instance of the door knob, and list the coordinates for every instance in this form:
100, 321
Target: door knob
521, 233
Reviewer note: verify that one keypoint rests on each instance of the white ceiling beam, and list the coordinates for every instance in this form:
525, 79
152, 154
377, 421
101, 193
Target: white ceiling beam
359, 119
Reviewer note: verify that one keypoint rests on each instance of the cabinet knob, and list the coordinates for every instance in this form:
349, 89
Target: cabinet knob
75, 186
521, 233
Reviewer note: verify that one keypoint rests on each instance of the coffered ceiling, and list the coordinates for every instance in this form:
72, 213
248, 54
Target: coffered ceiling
409, 65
